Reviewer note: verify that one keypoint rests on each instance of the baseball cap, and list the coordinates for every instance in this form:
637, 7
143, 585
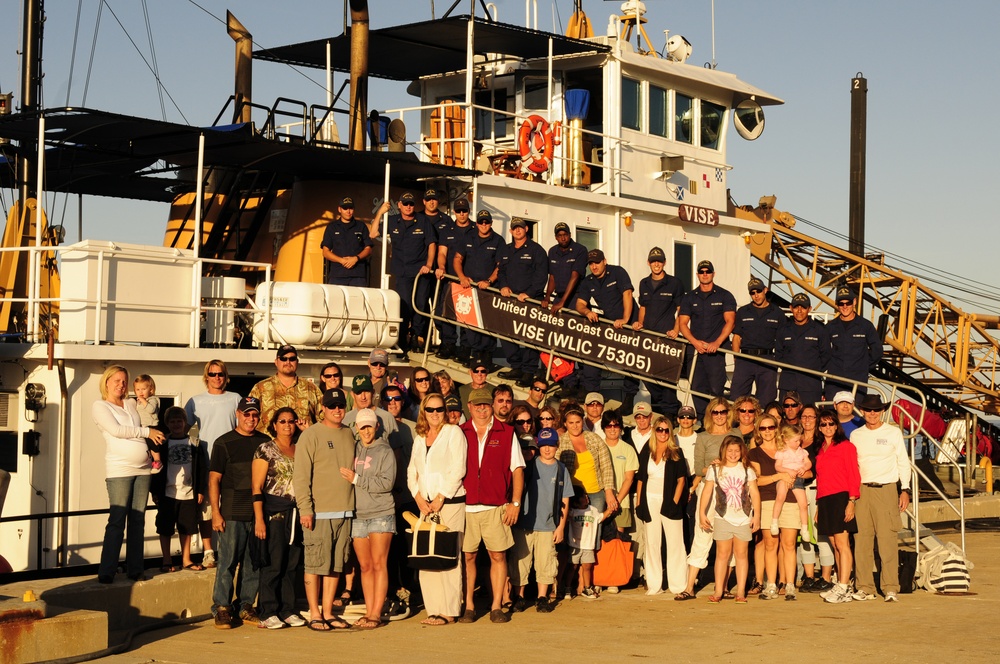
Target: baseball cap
706, 265
595, 256
594, 396
517, 222
642, 408
843, 396
479, 396
484, 215
548, 437
687, 410
362, 383
527, 440
378, 355
801, 300
286, 349
366, 418
334, 397
431, 195
561, 227
478, 364
451, 402
845, 293
656, 255
347, 203
755, 284
461, 205
248, 403
794, 396
406, 198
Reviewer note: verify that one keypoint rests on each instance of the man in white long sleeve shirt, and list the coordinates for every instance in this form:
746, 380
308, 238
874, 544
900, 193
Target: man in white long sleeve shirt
883, 462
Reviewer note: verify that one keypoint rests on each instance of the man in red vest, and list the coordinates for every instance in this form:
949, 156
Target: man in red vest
494, 482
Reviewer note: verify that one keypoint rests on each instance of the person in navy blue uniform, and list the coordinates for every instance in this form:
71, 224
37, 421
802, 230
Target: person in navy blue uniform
802, 342
476, 265
567, 268
855, 347
522, 272
607, 288
754, 334
659, 301
346, 246
708, 314
432, 213
414, 249
450, 239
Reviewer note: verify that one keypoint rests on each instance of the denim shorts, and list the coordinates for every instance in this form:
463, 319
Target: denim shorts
362, 528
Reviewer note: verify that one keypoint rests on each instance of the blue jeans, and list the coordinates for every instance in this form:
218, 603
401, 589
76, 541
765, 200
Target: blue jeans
233, 551
128, 497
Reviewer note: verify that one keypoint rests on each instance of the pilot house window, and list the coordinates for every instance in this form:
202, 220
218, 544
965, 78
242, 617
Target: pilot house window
658, 123
631, 104
712, 116
683, 119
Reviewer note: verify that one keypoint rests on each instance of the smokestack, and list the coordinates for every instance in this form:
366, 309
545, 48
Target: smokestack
859, 122
31, 87
243, 86
359, 73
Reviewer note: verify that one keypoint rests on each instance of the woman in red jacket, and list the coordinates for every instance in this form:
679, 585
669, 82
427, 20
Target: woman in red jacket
838, 485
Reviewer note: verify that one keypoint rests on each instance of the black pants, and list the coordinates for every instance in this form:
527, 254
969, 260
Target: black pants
278, 580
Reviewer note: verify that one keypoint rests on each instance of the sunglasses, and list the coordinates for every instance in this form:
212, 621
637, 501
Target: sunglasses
425, 379
407, 204
284, 422
337, 407
705, 272
790, 405
823, 425
595, 403
769, 427
289, 358
748, 410
662, 430
755, 291
522, 422
434, 409
546, 418
461, 212
216, 374
381, 365
482, 371
845, 303
535, 388
720, 412
686, 417
391, 399
482, 222
332, 376
613, 425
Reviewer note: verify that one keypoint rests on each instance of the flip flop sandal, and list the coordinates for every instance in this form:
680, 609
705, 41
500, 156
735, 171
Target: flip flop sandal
195, 567
714, 600
741, 600
169, 568
311, 625
438, 621
727, 595
684, 596
337, 624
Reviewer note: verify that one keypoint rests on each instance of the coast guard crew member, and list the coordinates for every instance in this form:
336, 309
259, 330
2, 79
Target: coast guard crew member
802, 341
708, 314
659, 301
346, 246
854, 345
522, 272
476, 264
754, 334
450, 239
414, 247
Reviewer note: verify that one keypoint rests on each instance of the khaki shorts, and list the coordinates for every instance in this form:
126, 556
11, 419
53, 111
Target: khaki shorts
532, 547
788, 519
487, 528
624, 518
326, 546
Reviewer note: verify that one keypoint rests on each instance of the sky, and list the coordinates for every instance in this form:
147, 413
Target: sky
931, 77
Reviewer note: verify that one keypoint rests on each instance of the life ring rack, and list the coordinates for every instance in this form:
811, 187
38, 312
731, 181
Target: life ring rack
536, 141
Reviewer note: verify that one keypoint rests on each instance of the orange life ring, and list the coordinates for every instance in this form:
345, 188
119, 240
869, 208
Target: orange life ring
535, 142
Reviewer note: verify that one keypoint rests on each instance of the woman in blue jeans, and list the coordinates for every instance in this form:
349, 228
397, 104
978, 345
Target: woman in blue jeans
127, 464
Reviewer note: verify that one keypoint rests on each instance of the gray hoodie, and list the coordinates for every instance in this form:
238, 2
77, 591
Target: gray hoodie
375, 466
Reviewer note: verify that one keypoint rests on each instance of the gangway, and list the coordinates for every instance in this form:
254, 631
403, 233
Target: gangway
926, 337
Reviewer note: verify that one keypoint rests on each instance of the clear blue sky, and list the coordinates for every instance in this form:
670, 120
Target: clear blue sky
931, 76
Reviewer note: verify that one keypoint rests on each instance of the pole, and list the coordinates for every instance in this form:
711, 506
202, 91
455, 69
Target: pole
859, 120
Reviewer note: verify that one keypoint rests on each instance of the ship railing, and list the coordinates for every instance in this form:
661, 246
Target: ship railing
102, 306
452, 140
39, 527
291, 120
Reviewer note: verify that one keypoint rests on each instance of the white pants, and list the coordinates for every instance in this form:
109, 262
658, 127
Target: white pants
703, 541
659, 527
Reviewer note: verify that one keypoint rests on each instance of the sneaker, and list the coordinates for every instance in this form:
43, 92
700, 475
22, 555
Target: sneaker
223, 618
771, 592
295, 620
567, 594
808, 585
891, 597
520, 604
838, 595
543, 605
274, 622
863, 596
248, 614
821, 586
612, 589
789, 593
774, 527
590, 593
398, 607
157, 467
208, 559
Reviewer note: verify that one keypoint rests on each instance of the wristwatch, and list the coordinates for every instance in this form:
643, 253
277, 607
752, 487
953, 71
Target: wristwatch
853, 500
516, 504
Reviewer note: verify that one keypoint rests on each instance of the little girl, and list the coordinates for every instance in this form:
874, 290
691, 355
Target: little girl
793, 459
149, 413
737, 514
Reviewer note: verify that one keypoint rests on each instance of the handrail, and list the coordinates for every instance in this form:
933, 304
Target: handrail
39, 545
